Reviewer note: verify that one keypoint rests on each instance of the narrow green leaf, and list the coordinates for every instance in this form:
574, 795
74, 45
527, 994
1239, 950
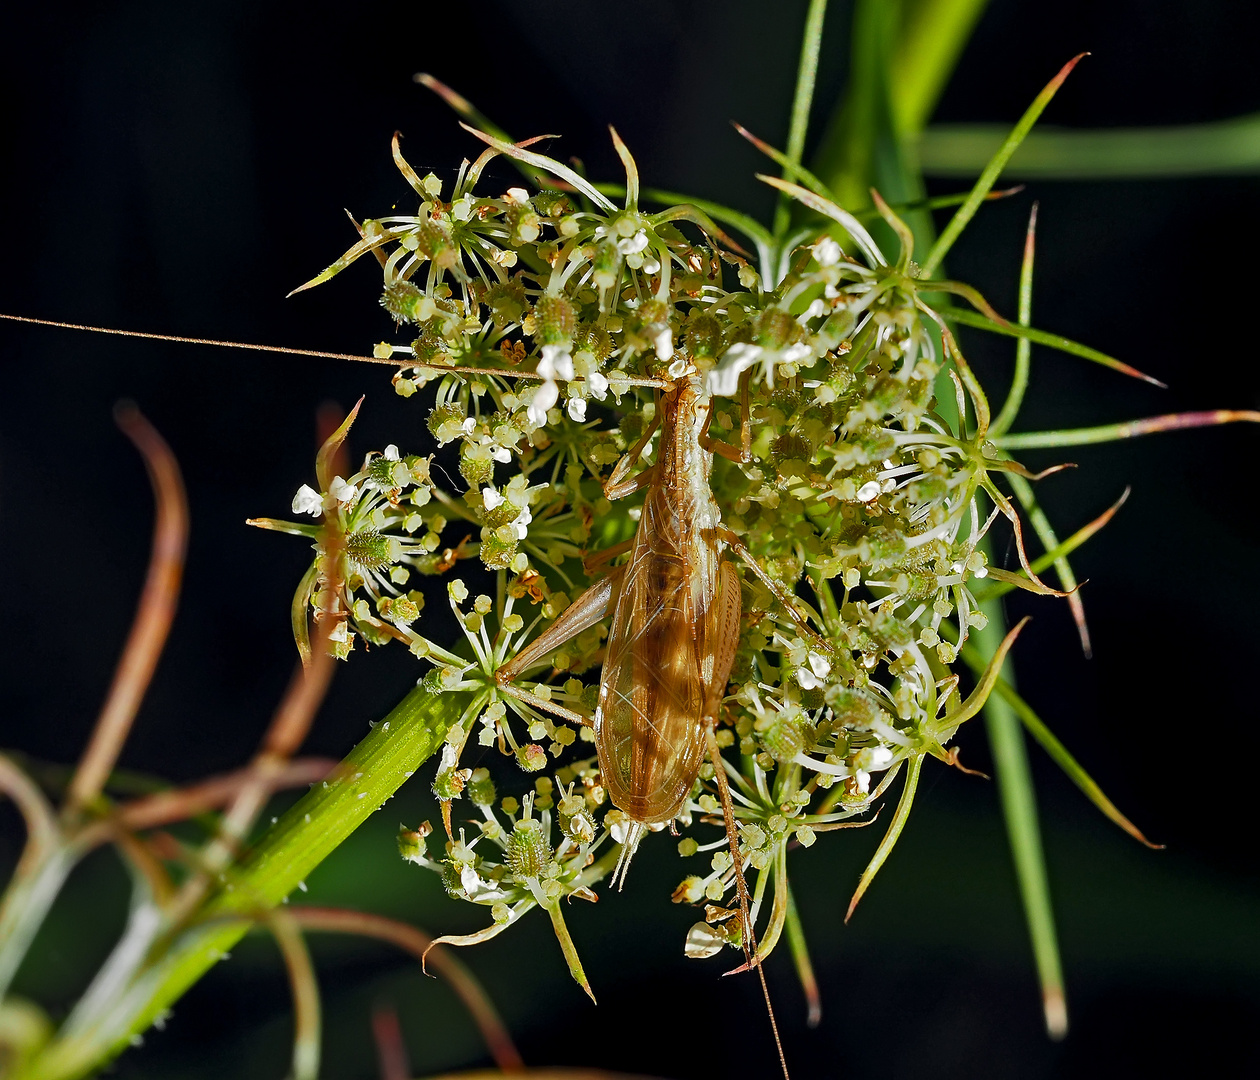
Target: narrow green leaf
1019, 810
1130, 429
994, 168
806, 76
1023, 347
893, 834
804, 967
1218, 148
1040, 337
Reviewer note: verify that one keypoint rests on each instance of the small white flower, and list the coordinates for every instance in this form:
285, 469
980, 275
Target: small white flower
577, 409
827, 252
522, 522
556, 363
794, 354
598, 385
544, 398
490, 498
724, 378
663, 340
632, 245
308, 501
469, 880
343, 492
517, 195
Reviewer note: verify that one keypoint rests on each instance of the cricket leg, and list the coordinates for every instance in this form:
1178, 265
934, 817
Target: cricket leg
780, 593
583, 613
617, 486
741, 889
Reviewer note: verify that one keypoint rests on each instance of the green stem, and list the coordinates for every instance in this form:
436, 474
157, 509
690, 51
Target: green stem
806, 76
290, 850
1019, 808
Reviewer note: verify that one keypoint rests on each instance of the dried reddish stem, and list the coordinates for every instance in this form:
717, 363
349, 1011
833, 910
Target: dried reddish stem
182, 803
153, 617
418, 943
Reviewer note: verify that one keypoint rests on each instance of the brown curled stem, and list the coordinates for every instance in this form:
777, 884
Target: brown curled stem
153, 616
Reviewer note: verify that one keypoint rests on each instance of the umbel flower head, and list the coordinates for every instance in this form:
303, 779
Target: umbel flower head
542, 326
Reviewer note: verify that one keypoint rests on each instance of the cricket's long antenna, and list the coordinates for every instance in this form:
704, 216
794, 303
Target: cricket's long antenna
392, 361
741, 889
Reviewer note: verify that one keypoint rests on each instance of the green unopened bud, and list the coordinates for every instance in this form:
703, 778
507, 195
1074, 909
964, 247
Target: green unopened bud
528, 853
481, 788
556, 320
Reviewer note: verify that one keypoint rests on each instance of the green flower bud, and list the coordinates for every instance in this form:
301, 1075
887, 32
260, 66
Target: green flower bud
528, 853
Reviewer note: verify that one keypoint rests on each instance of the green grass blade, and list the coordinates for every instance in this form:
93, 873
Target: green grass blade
802, 99
893, 834
1023, 347
933, 33
800, 960
994, 168
1019, 808
1219, 148
1040, 337
1033, 440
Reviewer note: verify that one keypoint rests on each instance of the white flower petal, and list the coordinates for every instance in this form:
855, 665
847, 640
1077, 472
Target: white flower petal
724, 379
577, 409
827, 252
490, 498
664, 343
632, 245
308, 501
391, 453
598, 385
342, 491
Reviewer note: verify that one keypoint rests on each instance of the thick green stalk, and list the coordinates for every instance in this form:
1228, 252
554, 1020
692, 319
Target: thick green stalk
290, 850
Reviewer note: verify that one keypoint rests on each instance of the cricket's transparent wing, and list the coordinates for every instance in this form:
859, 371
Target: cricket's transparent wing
648, 729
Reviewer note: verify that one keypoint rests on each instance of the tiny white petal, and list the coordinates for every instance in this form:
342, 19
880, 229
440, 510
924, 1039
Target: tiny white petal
827, 252
651, 266
632, 245
338, 632
490, 498
724, 379
819, 665
664, 343
577, 409
880, 756
468, 424
391, 453
795, 353
556, 362
813, 311
598, 385
502, 455
518, 194
469, 880
863, 779
806, 678
341, 491
308, 501
868, 491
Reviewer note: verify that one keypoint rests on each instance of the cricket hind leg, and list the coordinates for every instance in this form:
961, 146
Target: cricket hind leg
749, 940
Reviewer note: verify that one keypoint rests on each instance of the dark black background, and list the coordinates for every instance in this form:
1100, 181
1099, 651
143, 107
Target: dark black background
179, 168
